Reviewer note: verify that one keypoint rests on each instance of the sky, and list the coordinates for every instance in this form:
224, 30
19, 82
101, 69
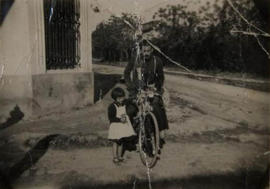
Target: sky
145, 8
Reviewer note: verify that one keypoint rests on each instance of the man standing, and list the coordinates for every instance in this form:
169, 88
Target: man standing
148, 69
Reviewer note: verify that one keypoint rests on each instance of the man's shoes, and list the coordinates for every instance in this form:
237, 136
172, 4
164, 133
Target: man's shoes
161, 142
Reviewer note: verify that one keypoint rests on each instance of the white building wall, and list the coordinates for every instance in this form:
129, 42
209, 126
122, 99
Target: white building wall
25, 81
15, 44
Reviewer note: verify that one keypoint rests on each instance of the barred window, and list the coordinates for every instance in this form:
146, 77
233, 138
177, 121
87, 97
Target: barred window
62, 34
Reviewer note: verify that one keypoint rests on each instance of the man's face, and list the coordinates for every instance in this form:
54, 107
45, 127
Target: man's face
147, 51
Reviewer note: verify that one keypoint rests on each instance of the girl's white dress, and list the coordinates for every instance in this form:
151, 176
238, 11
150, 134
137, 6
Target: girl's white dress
120, 130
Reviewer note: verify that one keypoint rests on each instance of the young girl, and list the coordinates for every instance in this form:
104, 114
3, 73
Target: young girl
120, 125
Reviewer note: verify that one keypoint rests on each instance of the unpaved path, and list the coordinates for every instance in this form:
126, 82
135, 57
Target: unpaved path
87, 167
216, 131
207, 106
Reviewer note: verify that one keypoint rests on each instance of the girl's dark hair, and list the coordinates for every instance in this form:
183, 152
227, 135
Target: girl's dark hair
117, 92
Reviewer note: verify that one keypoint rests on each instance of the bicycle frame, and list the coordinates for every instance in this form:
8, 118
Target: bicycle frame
143, 103
145, 109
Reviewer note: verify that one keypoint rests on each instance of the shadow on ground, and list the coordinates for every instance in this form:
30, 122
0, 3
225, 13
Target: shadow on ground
103, 83
10, 174
16, 115
240, 180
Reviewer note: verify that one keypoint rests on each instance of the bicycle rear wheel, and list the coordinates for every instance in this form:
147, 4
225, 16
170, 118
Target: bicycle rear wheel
149, 141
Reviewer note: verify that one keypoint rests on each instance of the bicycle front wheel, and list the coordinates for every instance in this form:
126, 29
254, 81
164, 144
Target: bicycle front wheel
149, 141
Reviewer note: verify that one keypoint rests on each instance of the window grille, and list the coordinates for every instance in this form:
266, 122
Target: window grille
62, 34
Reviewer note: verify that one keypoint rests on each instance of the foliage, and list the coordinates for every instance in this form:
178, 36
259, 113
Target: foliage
112, 40
200, 40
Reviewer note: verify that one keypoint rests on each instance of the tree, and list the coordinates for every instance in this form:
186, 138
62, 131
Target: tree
112, 39
204, 39
240, 17
177, 27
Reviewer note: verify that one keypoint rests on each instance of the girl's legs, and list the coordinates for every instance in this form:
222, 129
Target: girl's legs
120, 152
115, 151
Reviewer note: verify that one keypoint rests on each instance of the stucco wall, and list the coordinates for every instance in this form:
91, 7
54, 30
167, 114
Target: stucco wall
15, 92
15, 55
25, 81
59, 92
15, 43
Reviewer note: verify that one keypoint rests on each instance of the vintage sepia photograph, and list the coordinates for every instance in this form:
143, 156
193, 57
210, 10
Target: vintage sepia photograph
134, 94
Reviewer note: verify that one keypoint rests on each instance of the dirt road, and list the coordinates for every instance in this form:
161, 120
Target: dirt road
217, 137
198, 106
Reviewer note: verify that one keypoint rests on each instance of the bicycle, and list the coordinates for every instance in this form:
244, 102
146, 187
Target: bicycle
147, 128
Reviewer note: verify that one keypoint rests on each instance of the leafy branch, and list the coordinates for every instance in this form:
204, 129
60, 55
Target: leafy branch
259, 32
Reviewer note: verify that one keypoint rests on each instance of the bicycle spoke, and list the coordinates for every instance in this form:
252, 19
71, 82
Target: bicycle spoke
149, 143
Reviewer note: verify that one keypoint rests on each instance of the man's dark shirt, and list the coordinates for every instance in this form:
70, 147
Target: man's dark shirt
152, 71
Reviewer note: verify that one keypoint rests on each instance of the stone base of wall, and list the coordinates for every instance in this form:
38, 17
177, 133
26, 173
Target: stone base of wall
60, 92
15, 90
46, 94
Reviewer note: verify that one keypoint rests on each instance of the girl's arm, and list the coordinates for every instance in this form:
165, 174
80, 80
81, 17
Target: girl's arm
112, 114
